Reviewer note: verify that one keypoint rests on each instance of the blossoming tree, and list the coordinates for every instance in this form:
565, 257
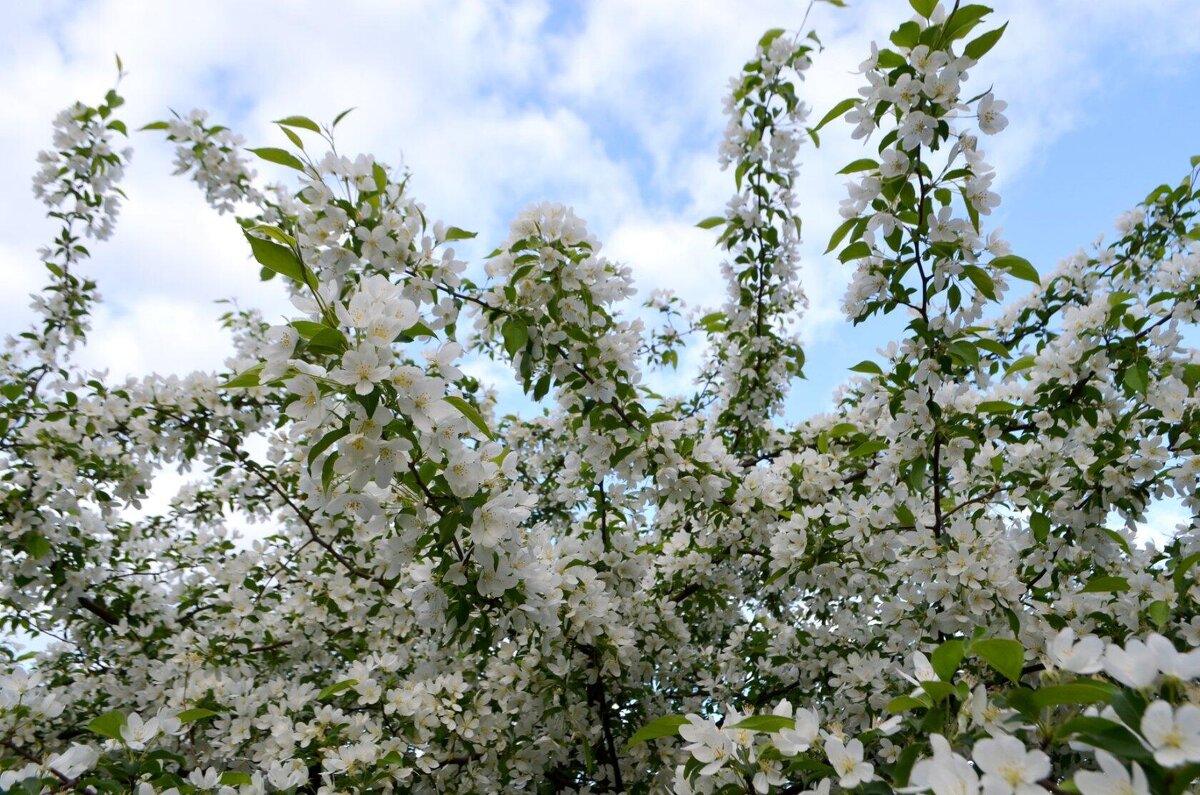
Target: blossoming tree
934, 587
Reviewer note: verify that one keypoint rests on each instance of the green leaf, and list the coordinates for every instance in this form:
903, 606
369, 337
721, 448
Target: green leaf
419, 330
1191, 372
1023, 363
281, 156
1018, 267
923, 7
946, 658
766, 723
855, 251
280, 259
1159, 612
1021, 699
993, 346
1105, 584
710, 222
862, 164
839, 109
155, 125
740, 172
667, 726
471, 413
248, 378
1039, 523
1082, 691
293, 137
1105, 734
516, 335
326, 442
983, 283
303, 122
977, 48
867, 366
276, 234
890, 59
770, 36
840, 233
336, 688
1182, 777
236, 778
1180, 575
907, 35
454, 233
327, 471
1137, 377
195, 714
1004, 655
1117, 538
37, 546
328, 340
997, 407
340, 116
962, 20
966, 352
868, 447
108, 725
905, 703
291, 134
938, 691
908, 757
1129, 706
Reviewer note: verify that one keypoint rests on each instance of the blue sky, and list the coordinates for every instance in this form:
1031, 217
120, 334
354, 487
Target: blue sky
613, 106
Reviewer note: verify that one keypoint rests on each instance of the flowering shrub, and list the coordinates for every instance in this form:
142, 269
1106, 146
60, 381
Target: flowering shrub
934, 587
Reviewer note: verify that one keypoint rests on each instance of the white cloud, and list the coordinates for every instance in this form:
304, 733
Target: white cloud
157, 333
670, 255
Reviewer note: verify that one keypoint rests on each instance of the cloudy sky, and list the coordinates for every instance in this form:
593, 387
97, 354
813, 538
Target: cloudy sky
613, 106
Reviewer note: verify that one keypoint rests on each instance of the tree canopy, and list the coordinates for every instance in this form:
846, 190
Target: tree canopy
937, 586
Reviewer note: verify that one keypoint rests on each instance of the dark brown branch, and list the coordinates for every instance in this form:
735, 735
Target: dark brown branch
254, 468
599, 696
937, 485
98, 609
976, 499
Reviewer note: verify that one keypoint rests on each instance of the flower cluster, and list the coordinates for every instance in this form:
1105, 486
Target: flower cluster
756, 350
212, 154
